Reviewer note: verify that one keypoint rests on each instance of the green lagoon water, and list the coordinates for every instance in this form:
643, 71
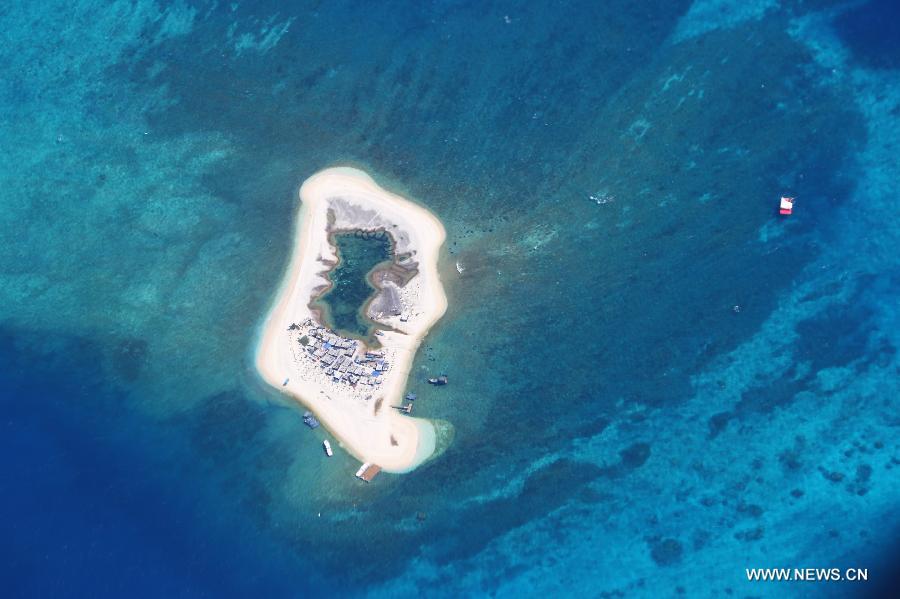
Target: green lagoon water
608, 175
351, 289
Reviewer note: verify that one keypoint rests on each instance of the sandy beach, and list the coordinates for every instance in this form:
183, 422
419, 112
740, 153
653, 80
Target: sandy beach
360, 415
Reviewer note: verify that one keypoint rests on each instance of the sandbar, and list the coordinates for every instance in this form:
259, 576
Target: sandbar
352, 389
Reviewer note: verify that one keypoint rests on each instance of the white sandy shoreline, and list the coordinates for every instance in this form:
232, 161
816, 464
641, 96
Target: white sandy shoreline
396, 442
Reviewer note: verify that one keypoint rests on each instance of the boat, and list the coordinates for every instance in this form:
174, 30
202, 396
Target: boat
411, 397
459, 267
786, 207
327, 446
310, 420
441, 380
367, 471
284, 384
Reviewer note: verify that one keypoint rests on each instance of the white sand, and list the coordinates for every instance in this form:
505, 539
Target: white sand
357, 203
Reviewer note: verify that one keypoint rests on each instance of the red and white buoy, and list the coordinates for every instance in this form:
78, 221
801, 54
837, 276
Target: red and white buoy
787, 206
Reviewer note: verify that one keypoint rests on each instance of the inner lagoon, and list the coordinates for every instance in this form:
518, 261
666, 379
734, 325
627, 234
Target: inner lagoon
345, 302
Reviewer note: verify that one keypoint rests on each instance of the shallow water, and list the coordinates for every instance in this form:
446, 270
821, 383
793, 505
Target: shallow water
655, 382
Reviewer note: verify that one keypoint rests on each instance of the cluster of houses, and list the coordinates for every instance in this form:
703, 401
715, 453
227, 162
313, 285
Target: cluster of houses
340, 358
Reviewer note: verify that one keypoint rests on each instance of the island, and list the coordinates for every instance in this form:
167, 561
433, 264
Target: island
354, 386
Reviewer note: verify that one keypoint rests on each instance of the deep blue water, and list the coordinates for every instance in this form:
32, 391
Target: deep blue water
656, 382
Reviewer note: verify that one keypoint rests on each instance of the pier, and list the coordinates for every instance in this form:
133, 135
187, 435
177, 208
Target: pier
367, 472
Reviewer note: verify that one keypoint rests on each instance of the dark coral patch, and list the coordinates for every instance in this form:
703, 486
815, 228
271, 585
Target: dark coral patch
750, 509
128, 358
635, 455
749, 535
717, 423
666, 552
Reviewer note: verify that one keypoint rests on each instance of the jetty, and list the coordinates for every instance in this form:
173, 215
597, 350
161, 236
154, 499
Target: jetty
368, 471
407, 409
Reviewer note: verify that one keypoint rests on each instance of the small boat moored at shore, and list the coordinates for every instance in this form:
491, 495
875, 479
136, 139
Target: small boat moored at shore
310, 420
441, 380
327, 447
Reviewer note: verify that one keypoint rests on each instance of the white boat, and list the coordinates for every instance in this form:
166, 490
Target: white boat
328, 451
459, 267
786, 207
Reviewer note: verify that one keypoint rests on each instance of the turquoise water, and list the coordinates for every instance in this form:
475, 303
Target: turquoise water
351, 289
608, 175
